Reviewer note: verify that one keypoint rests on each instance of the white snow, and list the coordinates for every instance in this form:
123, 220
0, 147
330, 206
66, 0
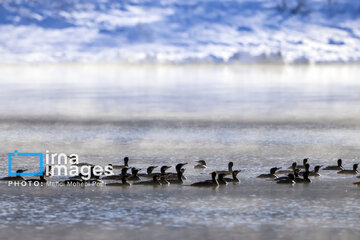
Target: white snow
180, 31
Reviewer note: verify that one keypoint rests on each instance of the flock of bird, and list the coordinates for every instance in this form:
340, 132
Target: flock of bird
300, 173
296, 173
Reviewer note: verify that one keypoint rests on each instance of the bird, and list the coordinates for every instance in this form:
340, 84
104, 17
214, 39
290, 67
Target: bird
305, 178
234, 177
221, 180
134, 175
78, 177
178, 167
287, 171
163, 180
179, 179
14, 178
350, 172
72, 157
296, 173
148, 173
81, 176
201, 164
271, 174
123, 183
209, 183
119, 176
315, 173
305, 160
92, 178
126, 164
229, 171
335, 167
296, 176
162, 171
289, 180
83, 164
307, 169
154, 182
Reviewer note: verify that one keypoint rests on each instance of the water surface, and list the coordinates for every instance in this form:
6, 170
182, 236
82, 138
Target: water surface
257, 116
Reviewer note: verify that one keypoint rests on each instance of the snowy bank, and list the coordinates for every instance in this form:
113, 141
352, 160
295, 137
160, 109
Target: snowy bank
287, 31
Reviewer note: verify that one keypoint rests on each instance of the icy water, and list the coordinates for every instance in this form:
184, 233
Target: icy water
257, 116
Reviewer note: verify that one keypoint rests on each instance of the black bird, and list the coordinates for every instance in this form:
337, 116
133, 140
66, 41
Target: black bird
289, 180
119, 176
126, 164
148, 173
229, 171
209, 183
174, 176
304, 163
14, 178
335, 167
179, 179
123, 183
271, 174
234, 177
134, 175
350, 172
221, 180
154, 182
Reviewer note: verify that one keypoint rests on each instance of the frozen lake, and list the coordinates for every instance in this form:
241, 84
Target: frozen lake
257, 116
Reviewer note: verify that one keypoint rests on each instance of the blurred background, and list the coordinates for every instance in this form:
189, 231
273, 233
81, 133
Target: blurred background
288, 31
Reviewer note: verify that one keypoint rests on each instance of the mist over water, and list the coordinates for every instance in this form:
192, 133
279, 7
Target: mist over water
117, 92
257, 116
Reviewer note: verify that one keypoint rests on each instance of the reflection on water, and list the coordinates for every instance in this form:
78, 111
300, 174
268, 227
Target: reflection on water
256, 116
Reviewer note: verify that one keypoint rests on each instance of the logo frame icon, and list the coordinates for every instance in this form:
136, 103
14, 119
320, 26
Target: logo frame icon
16, 153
